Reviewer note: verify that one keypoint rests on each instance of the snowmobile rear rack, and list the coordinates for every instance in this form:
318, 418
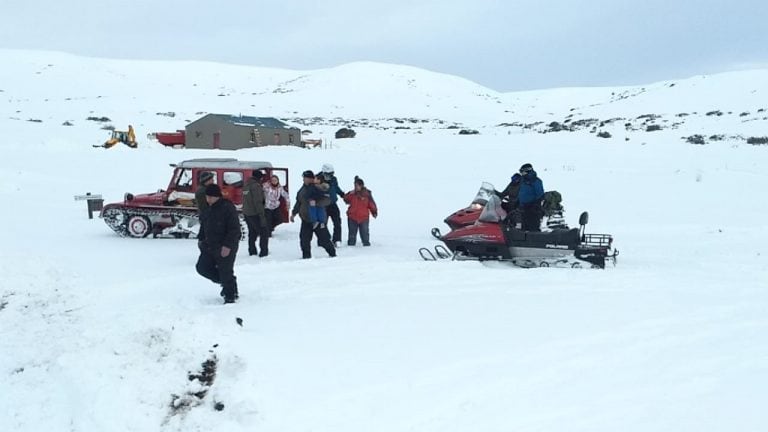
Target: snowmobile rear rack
597, 240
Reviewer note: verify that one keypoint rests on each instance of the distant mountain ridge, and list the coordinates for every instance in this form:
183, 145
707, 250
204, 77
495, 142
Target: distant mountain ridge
57, 87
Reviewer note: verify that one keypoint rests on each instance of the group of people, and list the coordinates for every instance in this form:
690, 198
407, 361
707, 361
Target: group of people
316, 203
522, 199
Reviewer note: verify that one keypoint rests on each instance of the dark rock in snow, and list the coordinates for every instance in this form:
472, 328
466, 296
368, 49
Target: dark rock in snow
345, 133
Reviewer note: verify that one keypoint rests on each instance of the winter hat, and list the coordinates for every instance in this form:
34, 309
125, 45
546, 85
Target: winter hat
327, 168
308, 174
205, 176
526, 168
359, 181
257, 174
213, 190
516, 178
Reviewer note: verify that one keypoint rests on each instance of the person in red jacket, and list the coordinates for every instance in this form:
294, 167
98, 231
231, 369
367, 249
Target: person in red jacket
361, 204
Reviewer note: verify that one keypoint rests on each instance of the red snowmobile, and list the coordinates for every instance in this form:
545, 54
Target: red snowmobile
468, 215
492, 238
172, 212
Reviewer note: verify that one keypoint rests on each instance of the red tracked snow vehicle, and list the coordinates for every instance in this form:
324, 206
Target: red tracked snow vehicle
172, 212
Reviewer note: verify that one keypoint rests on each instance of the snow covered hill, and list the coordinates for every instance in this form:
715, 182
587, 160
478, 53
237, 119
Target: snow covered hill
55, 88
102, 333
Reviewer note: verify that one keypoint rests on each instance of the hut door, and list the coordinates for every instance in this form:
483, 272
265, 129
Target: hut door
217, 140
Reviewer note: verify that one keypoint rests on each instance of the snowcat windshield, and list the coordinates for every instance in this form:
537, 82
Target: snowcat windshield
486, 191
492, 212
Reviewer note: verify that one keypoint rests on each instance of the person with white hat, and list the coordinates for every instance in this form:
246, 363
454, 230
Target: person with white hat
334, 214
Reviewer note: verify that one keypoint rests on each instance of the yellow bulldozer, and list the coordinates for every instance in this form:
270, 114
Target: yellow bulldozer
126, 137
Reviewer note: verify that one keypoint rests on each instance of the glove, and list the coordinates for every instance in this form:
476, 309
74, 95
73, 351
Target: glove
375, 214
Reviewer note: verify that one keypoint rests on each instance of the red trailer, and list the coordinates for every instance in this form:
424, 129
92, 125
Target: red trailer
171, 139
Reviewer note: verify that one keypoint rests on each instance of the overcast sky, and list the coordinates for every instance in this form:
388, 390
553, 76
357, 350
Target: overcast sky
503, 44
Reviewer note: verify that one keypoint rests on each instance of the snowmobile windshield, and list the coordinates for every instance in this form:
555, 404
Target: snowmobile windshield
481, 199
492, 212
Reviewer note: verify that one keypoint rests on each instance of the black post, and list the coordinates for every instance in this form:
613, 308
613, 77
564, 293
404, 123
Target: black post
94, 204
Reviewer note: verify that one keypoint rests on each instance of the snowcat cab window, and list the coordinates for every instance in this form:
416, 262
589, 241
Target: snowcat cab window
184, 182
492, 212
481, 199
233, 178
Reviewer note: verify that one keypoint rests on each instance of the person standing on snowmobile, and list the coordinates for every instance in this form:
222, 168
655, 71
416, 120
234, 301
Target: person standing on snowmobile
218, 241
529, 196
301, 208
333, 209
254, 213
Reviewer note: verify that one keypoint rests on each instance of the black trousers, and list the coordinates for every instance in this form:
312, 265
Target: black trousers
334, 214
273, 217
220, 270
532, 215
323, 239
364, 234
257, 230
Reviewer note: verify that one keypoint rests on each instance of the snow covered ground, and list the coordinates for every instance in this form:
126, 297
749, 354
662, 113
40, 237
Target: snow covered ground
100, 332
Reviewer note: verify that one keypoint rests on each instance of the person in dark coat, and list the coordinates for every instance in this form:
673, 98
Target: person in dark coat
206, 178
530, 195
255, 216
218, 241
301, 208
509, 201
319, 199
335, 192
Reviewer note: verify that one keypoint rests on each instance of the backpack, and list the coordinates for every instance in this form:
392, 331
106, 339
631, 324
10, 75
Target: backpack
551, 203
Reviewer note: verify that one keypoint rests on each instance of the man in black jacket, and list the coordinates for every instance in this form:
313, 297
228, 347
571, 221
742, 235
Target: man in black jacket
218, 241
301, 208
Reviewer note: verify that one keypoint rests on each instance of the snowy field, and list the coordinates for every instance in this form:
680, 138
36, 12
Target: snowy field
100, 333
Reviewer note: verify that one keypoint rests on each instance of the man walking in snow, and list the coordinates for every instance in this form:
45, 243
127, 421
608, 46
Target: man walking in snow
254, 213
301, 208
218, 240
334, 214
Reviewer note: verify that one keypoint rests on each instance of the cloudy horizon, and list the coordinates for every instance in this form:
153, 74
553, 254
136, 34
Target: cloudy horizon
503, 45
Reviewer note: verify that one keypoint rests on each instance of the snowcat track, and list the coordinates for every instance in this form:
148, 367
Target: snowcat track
116, 218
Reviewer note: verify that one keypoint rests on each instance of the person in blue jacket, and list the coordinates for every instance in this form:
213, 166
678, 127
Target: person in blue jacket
335, 193
530, 195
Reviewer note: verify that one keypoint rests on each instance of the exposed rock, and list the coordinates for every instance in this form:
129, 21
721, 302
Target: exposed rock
757, 140
345, 133
99, 119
